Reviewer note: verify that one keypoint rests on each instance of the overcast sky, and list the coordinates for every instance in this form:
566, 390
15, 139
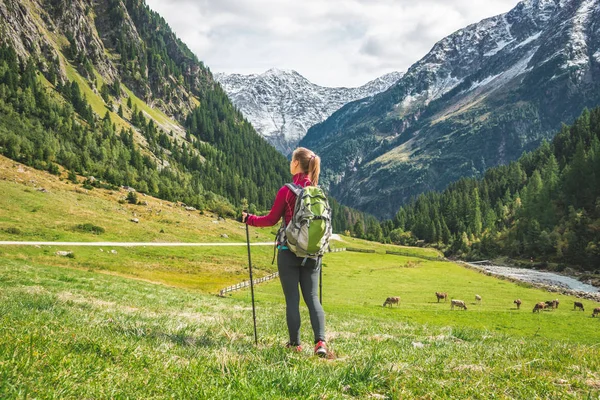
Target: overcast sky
330, 42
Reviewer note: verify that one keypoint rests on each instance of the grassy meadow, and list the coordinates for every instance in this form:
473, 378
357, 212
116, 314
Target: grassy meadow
145, 322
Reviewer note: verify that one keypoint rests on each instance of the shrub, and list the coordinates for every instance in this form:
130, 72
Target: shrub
53, 169
132, 198
89, 228
224, 210
73, 176
13, 231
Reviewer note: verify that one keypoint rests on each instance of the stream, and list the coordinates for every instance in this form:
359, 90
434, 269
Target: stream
542, 277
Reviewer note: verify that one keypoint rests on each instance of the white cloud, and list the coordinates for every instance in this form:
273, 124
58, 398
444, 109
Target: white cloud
332, 43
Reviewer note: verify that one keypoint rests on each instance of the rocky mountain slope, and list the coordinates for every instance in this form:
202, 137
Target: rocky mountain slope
104, 88
283, 105
481, 97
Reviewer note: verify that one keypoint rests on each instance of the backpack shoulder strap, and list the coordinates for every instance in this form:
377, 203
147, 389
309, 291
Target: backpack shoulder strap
296, 189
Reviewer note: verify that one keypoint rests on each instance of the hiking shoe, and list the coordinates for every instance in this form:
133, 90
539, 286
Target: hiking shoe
295, 347
321, 349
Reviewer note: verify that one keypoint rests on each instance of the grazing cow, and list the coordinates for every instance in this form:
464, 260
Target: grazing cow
596, 311
539, 306
518, 303
391, 300
577, 305
441, 295
478, 298
459, 304
552, 303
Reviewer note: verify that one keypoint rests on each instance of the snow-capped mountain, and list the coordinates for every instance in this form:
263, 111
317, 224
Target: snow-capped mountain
481, 97
283, 105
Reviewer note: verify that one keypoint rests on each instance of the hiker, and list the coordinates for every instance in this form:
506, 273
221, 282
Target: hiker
296, 270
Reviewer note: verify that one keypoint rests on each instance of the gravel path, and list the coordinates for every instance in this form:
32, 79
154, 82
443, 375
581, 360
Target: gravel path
129, 244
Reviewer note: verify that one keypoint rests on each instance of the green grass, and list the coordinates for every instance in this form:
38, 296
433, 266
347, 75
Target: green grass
205, 269
358, 284
142, 323
56, 215
78, 334
350, 242
157, 115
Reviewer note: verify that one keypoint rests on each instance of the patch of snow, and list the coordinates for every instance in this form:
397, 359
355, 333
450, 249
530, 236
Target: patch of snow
407, 101
484, 82
528, 40
597, 56
500, 45
500, 79
507, 26
577, 49
441, 87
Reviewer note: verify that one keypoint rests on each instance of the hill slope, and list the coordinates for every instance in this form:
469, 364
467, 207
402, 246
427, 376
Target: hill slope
105, 88
544, 205
479, 98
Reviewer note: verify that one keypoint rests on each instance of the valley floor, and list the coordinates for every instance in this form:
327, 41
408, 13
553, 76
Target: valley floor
73, 333
146, 323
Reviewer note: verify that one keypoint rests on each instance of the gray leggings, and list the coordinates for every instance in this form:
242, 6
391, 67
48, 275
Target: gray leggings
292, 273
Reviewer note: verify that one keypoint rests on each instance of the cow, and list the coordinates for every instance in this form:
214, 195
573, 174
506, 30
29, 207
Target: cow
539, 306
552, 303
518, 303
577, 305
391, 301
596, 311
478, 298
458, 303
441, 295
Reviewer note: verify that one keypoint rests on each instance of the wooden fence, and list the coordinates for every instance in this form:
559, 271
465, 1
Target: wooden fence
246, 284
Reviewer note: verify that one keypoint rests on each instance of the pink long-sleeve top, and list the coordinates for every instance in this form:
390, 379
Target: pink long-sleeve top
284, 204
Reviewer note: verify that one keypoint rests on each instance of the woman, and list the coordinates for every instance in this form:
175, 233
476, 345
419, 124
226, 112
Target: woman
305, 168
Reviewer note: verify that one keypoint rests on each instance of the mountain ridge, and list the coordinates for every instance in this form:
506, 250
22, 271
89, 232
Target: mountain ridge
282, 104
481, 97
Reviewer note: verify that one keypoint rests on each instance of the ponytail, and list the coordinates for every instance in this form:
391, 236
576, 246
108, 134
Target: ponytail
310, 163
314, 169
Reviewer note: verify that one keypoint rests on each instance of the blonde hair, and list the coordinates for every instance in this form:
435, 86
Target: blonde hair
310, 163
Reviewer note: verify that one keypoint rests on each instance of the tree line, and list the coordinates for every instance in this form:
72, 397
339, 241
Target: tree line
544, 206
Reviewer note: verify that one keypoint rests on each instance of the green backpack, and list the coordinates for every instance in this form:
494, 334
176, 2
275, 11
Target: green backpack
308, 232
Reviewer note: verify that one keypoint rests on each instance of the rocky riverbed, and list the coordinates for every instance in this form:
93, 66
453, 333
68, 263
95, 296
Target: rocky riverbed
547, 280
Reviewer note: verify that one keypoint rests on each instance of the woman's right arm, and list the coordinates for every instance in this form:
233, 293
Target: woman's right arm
276, 211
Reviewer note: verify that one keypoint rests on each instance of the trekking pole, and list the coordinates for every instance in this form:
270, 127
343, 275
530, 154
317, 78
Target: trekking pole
321, 284
251, 282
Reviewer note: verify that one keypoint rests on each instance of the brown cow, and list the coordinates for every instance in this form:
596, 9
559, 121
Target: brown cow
577, 305
391, 301
552, 303
539, 306
518, 303
596, 311
458, 303
441, 295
